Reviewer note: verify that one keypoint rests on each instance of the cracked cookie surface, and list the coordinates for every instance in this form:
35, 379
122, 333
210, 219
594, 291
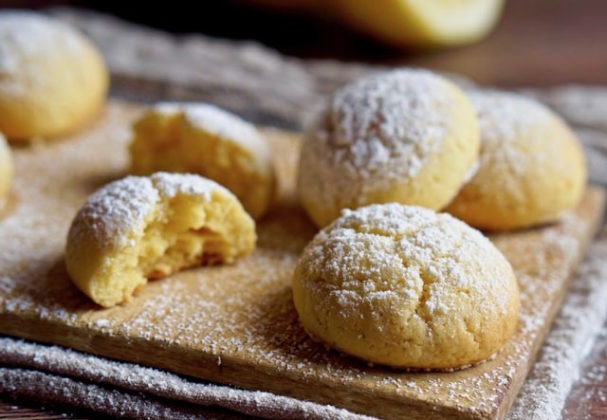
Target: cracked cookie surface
404, 136
406, 287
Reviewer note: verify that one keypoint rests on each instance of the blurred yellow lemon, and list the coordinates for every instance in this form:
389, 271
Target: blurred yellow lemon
422, 23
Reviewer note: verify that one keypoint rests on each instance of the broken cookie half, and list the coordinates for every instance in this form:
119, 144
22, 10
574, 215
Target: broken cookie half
140, 228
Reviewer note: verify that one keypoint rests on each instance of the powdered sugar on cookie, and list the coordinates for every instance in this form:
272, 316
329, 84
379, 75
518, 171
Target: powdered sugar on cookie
24, 35
405, 136
215, 121
390, 119
388, 274
114, 210
504, 117
384, 120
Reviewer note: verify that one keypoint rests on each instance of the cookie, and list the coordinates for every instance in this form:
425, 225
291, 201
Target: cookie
406, 287
532, 167
140, 228
206, 140
52, 79
405, 136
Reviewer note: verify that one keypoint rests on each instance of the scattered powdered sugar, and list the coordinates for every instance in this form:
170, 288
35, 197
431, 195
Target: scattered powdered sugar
573, 333
102, 323
238, 312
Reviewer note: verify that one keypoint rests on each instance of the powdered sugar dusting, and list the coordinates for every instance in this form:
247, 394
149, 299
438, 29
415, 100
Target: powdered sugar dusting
504, 119
102, 323
395, 263
27, 35
389, 119
216, 121
118, 209
171, 184
575, 329
374, 137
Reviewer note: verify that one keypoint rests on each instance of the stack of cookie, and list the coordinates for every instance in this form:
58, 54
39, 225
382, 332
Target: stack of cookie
393, 282
495, 160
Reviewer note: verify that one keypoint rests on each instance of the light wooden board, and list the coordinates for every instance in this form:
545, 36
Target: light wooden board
237, 324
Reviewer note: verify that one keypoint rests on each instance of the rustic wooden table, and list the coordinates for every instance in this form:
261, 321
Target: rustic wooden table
537, 43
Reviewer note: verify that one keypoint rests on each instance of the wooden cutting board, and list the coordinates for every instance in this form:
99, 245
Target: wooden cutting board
237, 324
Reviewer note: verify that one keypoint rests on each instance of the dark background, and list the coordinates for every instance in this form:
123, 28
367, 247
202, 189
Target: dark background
536, 43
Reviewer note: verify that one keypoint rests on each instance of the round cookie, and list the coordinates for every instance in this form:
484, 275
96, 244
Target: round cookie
206, 140
532, 167
139, 228
406, 287
6, 169
405, 136
52, 79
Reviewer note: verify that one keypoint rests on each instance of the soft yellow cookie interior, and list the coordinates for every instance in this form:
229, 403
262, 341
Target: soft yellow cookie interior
406, 287
203, 139
168, 222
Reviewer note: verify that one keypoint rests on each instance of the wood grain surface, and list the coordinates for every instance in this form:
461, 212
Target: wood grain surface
237, 324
